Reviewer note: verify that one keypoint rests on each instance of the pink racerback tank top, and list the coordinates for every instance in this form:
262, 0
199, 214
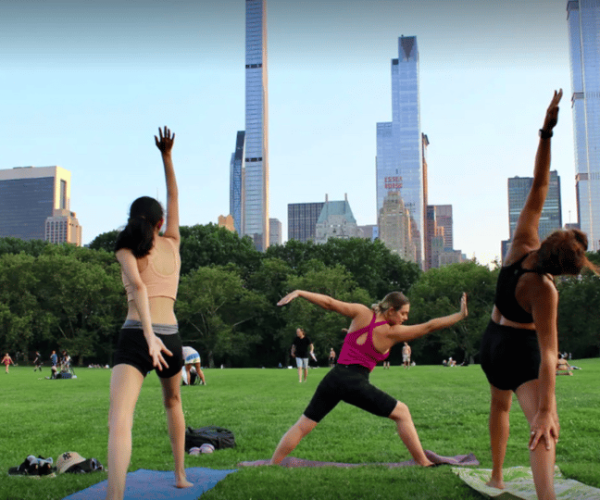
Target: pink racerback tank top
365, 354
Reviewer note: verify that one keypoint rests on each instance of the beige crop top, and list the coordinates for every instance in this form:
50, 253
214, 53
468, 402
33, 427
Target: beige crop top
157, 284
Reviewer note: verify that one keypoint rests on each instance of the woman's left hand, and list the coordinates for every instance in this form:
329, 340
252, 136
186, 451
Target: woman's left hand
165, 140
289, 297
545, 425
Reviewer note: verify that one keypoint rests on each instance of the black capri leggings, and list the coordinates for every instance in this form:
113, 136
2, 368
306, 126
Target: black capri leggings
349, 383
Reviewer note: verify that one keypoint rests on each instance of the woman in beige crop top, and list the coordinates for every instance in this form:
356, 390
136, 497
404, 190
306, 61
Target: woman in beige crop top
150, 269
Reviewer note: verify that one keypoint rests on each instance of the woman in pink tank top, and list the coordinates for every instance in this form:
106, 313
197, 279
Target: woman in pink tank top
149, 338
372, 334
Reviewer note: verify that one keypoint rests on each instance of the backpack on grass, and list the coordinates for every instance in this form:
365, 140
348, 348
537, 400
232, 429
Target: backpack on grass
219, 437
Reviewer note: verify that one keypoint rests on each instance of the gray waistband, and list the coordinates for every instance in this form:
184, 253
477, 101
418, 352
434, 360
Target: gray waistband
161, 328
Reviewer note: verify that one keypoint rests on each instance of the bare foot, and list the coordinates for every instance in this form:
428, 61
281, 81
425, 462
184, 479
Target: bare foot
183, 483
496, 483
429, 463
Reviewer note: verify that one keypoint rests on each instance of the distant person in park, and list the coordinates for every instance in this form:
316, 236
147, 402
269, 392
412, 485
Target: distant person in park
373, 332
191, 357
149, 339
65, 362
54, 358
563, 367
523, 326
302, 347
7, 361
406, 352
331, 358
37, 362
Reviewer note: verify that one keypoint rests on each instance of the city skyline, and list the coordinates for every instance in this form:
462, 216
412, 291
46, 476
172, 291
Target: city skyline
91, 99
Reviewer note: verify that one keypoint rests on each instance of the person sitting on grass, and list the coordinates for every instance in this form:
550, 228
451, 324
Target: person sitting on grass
372, 334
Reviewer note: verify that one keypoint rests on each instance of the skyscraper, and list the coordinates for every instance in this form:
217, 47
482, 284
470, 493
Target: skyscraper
399, 143
35, 204
236, 184
275, 236
302, 220
256, 161
583, 18
551, 219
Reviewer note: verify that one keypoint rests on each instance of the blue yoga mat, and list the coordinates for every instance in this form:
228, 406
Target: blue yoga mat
146, 484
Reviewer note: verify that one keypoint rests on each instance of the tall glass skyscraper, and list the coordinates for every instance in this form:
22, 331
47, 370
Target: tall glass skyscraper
236, 184
256, 162
583, 18
399, 143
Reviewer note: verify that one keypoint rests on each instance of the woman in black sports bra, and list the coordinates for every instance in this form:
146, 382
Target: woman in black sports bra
523, 329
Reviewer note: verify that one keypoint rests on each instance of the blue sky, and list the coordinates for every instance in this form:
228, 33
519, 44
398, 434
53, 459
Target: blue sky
86, 84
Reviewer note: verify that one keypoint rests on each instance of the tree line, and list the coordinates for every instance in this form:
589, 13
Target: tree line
55, 297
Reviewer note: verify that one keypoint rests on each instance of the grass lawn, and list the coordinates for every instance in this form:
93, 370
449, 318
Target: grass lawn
449, 407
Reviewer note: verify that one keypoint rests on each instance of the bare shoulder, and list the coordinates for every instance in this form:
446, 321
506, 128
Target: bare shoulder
354, 310
517, 250
539, 290
168, 239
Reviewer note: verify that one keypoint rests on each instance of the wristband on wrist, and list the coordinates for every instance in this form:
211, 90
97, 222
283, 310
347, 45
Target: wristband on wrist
545, 134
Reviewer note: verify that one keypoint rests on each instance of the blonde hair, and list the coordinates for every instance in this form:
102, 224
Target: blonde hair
394, 300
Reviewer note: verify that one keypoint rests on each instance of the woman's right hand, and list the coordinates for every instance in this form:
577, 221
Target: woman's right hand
155, 349
165, 140
552, 112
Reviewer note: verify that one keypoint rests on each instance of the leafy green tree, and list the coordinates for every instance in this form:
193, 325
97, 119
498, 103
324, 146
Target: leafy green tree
105, 241
578, 319
372, 265
23, 324
214, 308
86, 300
323, 327
437, 293
213, 245
17, 245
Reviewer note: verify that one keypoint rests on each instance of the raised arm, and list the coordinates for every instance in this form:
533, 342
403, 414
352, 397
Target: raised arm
326, 302
164, 142
401, 333
526, 232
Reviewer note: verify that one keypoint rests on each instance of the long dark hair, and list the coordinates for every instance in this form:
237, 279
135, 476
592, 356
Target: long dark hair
563, 252
138, 236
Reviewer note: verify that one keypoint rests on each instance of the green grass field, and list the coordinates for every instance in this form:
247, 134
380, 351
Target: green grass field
449, 407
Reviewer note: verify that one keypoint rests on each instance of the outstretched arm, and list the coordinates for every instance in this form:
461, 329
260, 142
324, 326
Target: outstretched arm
164, 142
401, 333
326, 302
526, 232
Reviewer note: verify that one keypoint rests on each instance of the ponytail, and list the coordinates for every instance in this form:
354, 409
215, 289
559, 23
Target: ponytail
138, 235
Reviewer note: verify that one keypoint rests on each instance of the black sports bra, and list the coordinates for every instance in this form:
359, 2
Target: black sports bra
505, 300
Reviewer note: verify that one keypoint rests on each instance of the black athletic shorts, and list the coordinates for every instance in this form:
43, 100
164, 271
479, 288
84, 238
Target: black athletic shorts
509, 356
349, 383
132, 349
